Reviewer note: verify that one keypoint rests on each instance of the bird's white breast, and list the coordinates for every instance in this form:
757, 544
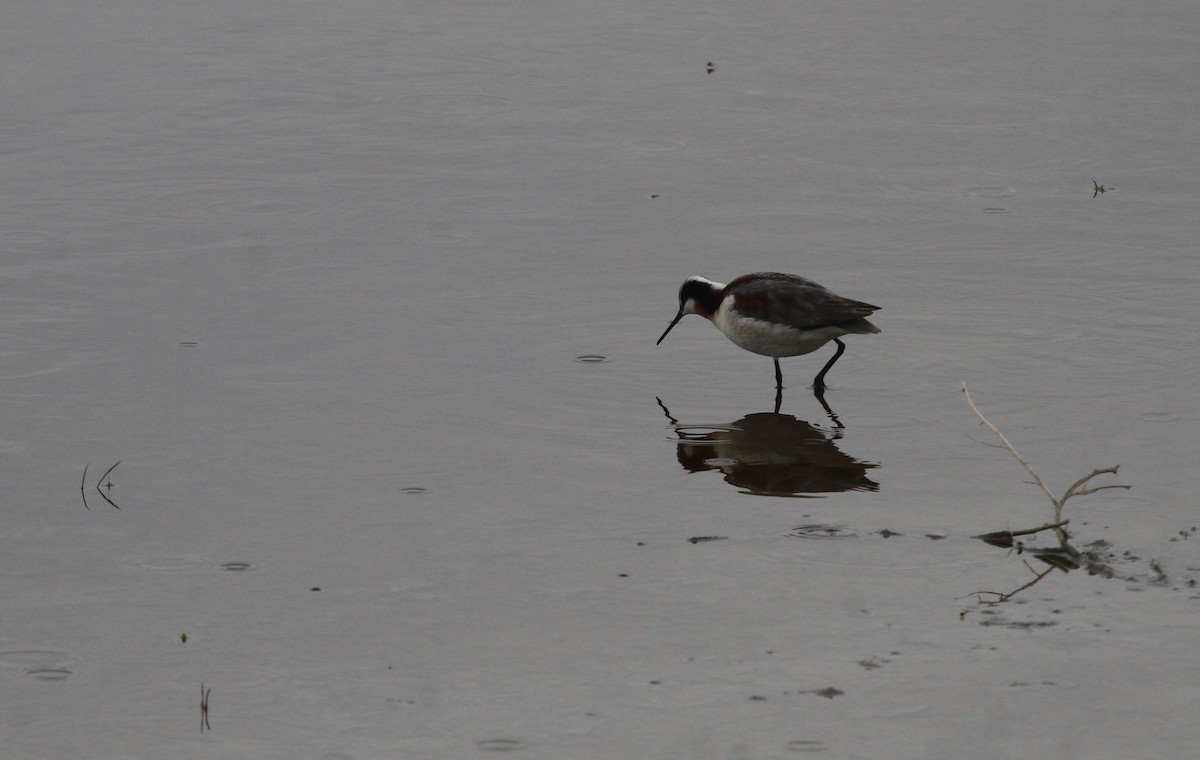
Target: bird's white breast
769, 338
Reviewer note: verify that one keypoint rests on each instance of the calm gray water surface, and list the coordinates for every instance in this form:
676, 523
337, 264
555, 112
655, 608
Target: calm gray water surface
319, 276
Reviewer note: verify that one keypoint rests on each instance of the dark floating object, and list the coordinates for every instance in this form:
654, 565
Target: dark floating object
1064, 557
592, 359
99, 482
711, 67
822, 531
1099, 189
702, 539
1002, 539
498, 745
829, 692
806, 745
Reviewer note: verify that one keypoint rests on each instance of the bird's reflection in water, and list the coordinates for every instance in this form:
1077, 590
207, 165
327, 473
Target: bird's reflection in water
772, 455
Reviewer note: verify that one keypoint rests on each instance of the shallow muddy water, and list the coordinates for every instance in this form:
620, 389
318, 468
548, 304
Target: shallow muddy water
363, 298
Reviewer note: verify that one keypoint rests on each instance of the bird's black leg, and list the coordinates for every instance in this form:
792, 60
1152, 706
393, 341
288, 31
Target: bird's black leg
778, 376
819, 383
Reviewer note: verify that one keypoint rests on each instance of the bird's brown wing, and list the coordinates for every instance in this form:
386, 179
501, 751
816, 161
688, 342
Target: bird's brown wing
798, 302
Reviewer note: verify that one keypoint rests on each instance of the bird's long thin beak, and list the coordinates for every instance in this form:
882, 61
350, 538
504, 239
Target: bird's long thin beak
674, 322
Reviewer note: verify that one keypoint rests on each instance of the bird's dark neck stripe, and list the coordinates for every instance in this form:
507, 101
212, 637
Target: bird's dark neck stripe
707, 297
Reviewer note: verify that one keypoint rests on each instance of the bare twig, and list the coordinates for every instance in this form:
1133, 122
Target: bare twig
1039, 529
1037, 577
1005, 538
1013, 450
1065, 557
1004, 597
985, 443
1077, 489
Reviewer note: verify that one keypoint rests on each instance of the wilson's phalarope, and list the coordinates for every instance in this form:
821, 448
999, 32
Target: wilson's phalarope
776, 315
